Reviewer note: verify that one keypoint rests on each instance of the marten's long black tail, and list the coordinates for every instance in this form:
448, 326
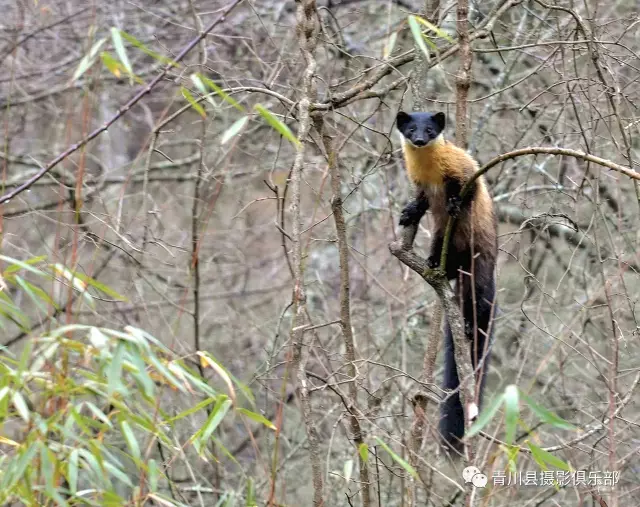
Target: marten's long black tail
451, 414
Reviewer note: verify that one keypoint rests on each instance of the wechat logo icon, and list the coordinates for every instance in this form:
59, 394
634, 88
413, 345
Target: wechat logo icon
475, 477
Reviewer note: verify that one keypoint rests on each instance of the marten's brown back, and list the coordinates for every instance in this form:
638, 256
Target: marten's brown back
428, 167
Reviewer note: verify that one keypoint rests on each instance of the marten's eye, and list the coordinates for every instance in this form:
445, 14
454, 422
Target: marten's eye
430, 132
412, 130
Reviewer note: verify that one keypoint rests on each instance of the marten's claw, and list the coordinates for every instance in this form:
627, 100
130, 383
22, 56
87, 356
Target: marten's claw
453, 206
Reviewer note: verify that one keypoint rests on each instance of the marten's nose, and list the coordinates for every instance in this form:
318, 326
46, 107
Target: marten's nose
419, 141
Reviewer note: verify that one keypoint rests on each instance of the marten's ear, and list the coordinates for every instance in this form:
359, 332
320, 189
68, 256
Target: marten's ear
440, 120
402, 119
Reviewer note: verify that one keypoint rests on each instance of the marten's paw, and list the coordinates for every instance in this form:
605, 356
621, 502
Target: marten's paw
453, 205
468, 329
411, 215
433, 262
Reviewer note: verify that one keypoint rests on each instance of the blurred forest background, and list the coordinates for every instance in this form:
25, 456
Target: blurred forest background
241, 203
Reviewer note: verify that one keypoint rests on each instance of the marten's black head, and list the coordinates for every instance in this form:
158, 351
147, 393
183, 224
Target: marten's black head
420, 128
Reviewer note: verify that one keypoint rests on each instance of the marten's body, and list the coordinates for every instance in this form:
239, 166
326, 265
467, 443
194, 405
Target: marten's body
439, 170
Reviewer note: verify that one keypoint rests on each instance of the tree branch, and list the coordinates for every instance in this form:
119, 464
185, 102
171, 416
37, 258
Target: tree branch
345, 304
306, 31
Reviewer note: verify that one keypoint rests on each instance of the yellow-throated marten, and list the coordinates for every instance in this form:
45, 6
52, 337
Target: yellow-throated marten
439, 170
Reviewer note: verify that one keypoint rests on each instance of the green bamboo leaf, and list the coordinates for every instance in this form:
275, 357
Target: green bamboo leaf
7, 477
154, 475
196, 382
114, 373
32, 292
21, 406
277, 124
251, 494
257, 418
12, 312
43, 295
194, 104
226, 500
363, 450
93, 466
146, 50
391, 44
543, 458
192, 410
398, 459
199, 84
131, 439
140, 339
146, 337
98, 339
16, 265
99, 414
226, 374
88, 60
141, 374
234, 129
416, 31
162, 370
72, 472
511, 412
25, 460
225, 451
86, 424
202, 436
512, 457
545, 415
99, 286
112, 65
23, 364
216, 418
195, 79
76, 281
57, 498
438, 31
121, 51
118, 474
486, 416
43, 357
46, 467
208, 361
219, 91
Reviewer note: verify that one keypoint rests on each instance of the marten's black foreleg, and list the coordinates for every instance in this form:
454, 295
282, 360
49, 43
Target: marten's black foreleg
453, 202
453, 205
415, 210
